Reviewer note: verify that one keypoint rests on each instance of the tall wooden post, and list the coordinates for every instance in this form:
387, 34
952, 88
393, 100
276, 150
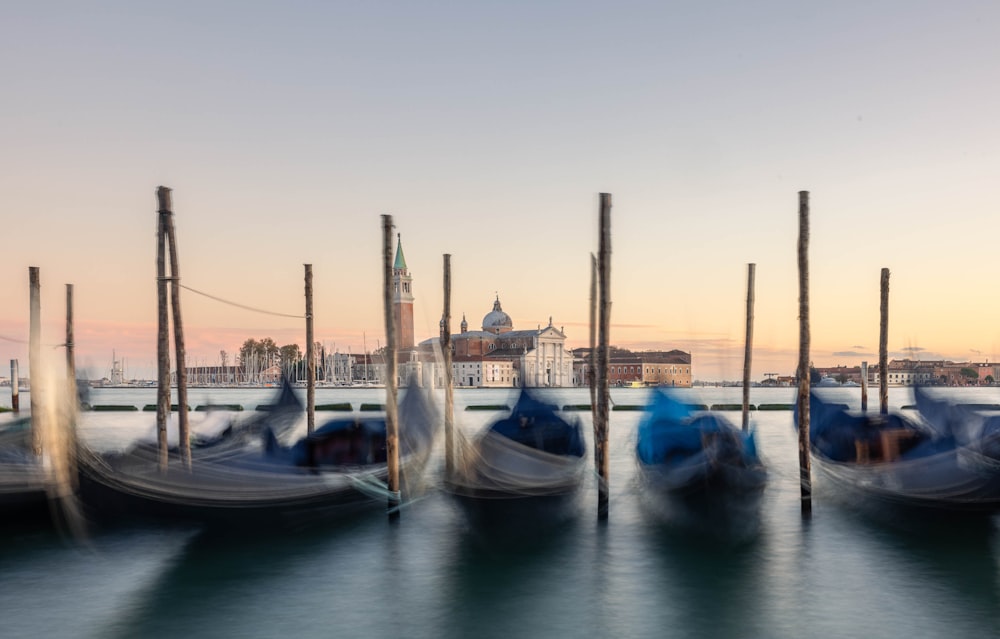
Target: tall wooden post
310, 355
883, 346
449, 391
603, 337
162, 330
34, 358
183, 431
864, 386
15, 399
70, 346
805, 472
391, 389
592, 357
748, 348
73, 399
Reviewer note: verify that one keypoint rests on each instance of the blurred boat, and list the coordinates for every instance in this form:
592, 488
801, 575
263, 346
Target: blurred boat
246, 474
929, 464
24, 481
698, 468
975, 428
523, 472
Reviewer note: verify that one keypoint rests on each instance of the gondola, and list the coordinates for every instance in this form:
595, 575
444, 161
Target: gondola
523, 473
976, 428
24, 480
911, 464
697, 468
247, 475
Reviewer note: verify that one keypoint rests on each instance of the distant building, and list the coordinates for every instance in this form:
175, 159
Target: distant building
842, 374
402, 299
908, 372
641, 368
499, 356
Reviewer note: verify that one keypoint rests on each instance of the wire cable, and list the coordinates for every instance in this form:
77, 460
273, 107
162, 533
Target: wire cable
237, 305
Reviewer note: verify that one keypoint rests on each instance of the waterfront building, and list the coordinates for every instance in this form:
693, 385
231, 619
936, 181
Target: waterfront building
499, 356
640, 368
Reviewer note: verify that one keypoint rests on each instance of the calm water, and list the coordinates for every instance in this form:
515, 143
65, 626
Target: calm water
837, 575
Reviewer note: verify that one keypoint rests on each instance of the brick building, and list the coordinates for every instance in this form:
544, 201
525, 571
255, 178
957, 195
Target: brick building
642, 368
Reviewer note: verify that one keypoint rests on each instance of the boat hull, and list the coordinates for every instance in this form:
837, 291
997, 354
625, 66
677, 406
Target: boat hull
723, 498
230, 493
523, 474
947, 481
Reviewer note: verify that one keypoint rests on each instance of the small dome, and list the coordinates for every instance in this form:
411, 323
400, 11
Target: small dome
497, 319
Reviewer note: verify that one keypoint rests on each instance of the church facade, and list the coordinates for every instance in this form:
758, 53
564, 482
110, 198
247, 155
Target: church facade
499, 356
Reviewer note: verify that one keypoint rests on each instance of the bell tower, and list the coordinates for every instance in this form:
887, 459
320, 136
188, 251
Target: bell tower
402, 298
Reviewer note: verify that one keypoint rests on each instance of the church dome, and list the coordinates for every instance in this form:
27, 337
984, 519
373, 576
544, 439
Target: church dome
496, 320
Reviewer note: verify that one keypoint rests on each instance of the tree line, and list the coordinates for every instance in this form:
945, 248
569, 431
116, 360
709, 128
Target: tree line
255, 357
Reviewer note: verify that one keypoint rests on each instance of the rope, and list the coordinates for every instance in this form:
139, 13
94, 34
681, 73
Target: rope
243, 306
22, 341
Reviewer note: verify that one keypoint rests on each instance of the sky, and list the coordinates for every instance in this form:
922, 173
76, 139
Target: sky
487, 130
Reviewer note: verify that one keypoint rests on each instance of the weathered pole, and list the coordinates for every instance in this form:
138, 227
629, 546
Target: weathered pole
391, 390
883, 346
162, 330
805, 473
592, 357
864, 386
72, 398
70, 347
449, 391
604, 325
310, 355
15, 399
34, 358
748, 348
184, 439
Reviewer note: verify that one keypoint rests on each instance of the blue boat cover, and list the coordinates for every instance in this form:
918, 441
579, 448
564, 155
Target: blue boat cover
670, 429
534, 423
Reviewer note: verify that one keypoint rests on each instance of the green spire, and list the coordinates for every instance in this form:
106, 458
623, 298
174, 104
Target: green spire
400, 260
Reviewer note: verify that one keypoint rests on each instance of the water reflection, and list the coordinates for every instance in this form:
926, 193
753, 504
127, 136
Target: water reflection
709, 583
953, 562
514, 587
222, 580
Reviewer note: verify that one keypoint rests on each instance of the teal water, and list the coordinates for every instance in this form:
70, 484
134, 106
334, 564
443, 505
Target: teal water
838, 574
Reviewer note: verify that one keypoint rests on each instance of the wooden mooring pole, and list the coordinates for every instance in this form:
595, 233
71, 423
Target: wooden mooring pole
162, 330
449, 391
604, 324
310, 355
34, 358
15, 399
592, 357
72, 399
805, 473
883, 346
864, 386
391, 388
748, 348
70, 351
183, 430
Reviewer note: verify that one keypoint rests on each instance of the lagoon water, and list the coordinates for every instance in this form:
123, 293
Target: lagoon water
838, 574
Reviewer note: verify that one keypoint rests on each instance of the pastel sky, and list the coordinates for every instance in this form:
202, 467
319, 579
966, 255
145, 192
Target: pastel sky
487, 129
